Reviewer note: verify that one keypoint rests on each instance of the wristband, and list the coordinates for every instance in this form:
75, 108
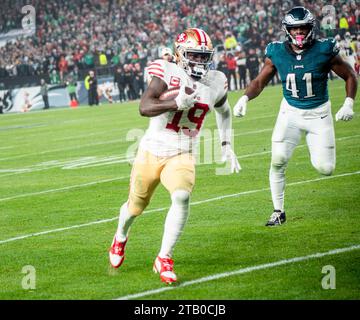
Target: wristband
245, 98
349, 102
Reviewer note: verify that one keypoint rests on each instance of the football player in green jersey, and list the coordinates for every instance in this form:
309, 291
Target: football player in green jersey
303, 63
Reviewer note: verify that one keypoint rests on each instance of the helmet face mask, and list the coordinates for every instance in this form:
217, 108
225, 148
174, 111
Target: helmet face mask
299, 17
194, 52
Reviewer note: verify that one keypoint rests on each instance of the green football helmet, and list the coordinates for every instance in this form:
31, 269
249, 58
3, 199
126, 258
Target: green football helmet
299, 16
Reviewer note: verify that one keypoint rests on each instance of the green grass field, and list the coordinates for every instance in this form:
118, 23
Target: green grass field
63, 177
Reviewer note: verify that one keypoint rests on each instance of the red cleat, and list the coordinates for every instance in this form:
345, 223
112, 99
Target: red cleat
116, 253
165, 267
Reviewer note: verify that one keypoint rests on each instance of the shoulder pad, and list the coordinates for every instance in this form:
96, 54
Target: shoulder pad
271, 48
328, 46
157, 68
216, 78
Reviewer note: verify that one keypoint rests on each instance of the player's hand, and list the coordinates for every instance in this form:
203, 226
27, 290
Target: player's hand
346, 112
229, 155
185, 101
240, 107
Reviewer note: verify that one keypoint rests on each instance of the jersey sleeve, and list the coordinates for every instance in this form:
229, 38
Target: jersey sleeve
221, 83
157, 69
164, 70
269, 51
330, 47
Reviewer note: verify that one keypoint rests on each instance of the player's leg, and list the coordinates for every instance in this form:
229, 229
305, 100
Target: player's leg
321, 142
285, 138
178, 177
145, 176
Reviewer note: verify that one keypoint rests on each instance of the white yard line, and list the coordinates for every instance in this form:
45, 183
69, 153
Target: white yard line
10, 172
63, 149
240, 271
24, 195
166, 208
109, 142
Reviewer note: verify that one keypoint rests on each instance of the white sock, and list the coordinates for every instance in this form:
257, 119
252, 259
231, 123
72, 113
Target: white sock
125, 221
175, 222
277, 186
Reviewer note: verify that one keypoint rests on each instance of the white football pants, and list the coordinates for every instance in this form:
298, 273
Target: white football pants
317, 124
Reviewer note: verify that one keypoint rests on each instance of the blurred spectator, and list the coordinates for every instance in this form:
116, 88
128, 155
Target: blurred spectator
63, 68
91, 85
128, 32
230, 42
139, 79
343, 25
71, 87
54, 77
103, 59
88, 60
222, 65
231, 74
129, 82
27, 104
241, 64
44, 93
252, 64
119, 80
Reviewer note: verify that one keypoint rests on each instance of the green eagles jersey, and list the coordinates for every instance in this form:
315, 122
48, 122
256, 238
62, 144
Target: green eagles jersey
304, 76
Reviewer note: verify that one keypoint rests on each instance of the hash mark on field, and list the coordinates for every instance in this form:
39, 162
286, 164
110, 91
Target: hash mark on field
240, 271
166, 208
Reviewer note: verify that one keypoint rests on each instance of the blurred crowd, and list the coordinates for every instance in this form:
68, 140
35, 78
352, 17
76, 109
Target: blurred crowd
86, 34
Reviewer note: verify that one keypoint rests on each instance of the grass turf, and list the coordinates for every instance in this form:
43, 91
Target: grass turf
66, 167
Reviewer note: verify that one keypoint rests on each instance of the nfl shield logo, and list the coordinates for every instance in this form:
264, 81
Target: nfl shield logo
298, 57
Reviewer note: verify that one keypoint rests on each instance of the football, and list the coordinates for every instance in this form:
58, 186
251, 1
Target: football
172, 93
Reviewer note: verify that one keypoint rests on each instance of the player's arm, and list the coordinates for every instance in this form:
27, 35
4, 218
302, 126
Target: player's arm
150, 105
255, 87
344, 71
258, 84
223, 121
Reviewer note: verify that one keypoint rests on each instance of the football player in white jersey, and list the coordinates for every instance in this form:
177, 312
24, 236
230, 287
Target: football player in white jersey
165, 151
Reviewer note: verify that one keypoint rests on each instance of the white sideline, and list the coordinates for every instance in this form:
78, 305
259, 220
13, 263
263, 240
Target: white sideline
240, 271
166, 208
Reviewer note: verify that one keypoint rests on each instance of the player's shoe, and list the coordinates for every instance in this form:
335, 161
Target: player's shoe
165, 267
116, 253
276, 219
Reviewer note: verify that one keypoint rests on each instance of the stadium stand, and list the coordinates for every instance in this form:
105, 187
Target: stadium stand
75, 36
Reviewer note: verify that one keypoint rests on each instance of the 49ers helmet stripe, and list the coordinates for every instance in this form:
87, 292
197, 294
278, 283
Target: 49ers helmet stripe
201, 36
194, 52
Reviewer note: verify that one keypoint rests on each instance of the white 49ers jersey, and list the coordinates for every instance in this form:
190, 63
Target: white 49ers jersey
175, 132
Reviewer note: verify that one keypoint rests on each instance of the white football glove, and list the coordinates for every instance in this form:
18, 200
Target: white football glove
229, 155
185, 101
346, 112
240, 107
